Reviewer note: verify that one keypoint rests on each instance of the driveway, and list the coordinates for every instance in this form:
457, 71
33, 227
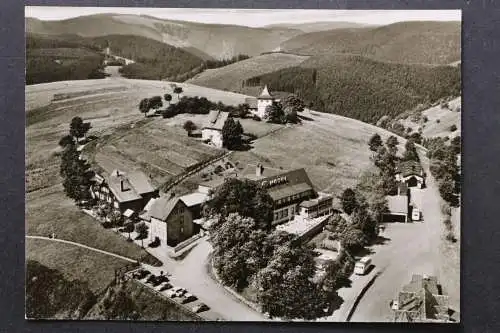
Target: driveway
411, 248
191, 273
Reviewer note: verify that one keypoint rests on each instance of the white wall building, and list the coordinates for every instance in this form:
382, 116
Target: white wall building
212, 129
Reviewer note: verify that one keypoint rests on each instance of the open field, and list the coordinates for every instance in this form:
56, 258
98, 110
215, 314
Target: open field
50, 211
231, 77
91, 267
160, 148
439, 120
333, 150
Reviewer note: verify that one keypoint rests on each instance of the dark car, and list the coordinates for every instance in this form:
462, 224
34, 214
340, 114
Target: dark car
200, 308
189, 298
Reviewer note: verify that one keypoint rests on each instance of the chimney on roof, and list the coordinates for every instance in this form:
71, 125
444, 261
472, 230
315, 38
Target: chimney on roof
259, 169
122, 185
117, 173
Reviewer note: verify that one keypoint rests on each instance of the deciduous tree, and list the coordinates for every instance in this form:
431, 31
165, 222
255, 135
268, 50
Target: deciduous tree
178, 91
189, 126
375, 142
348, 200
244, 197
144, 106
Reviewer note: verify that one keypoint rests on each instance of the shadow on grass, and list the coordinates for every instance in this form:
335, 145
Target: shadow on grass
304, 118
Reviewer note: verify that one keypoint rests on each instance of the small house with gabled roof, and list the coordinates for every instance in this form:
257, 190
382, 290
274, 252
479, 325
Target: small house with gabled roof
125, 191
410, 173
211, 131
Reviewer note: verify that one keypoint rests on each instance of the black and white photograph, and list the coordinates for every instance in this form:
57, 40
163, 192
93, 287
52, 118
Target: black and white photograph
252, 165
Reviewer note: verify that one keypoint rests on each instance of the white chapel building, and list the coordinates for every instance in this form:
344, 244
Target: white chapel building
258, 105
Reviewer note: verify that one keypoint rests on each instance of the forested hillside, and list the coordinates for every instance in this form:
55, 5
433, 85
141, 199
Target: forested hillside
403, 42
154, 60
61, 58
362, 88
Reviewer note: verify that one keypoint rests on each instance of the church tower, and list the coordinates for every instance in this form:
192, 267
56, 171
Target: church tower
264, 99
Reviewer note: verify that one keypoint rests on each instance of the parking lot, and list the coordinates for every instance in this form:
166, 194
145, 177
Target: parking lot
162, 285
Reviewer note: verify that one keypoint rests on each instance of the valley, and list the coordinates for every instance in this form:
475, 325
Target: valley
345, 77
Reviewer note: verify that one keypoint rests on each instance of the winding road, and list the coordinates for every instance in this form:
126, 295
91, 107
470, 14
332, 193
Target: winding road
410, 248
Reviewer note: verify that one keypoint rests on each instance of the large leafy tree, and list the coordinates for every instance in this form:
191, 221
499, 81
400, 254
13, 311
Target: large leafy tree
189, 126
155, 102
410, 151
275, 113
285, 286
348, 200
244, 197
168, 98
77, 174
78, 128
144, 106
231, 133
375, 142
392, 144
178, 91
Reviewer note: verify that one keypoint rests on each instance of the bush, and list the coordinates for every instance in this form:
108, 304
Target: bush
453, 128
155, 243
438, 121
256, 118
450, 237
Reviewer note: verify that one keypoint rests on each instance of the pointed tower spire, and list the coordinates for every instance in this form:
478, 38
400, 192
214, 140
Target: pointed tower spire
265, 93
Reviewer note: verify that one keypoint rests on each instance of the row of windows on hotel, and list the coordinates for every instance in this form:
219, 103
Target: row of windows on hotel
283, 213
293, 198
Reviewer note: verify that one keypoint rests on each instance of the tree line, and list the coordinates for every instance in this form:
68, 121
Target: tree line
336, 86
249, 252
444, 167
76, 172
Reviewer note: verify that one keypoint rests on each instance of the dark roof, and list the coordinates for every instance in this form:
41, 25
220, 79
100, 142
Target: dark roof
288, 191
252, 102
216, 120
421, 299
162, 207
279, 183
408, 168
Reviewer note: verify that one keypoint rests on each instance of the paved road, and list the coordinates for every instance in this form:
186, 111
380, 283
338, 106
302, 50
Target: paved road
411, 248
191, 273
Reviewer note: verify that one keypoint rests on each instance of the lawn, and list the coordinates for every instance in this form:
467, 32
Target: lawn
75, 263
50, 211
333, 150
231, 77
439, 120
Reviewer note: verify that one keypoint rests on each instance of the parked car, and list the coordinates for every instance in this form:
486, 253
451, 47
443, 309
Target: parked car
416, 215
170, 293
179, 291
200, 308
151, 279
165, 286
189, 298
142, 273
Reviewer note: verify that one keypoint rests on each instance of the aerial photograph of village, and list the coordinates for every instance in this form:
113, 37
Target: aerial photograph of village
243, 164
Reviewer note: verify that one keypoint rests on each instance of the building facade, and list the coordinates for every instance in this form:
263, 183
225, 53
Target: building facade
124, 191
411, 174
211, 131
171, 221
